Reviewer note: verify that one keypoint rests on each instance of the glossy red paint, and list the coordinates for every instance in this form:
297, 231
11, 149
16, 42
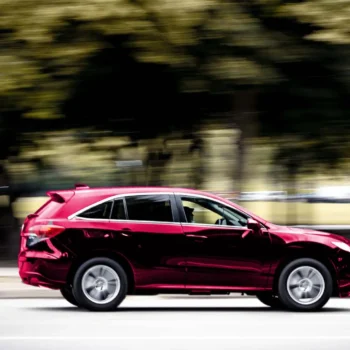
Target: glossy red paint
219, 258
177, 256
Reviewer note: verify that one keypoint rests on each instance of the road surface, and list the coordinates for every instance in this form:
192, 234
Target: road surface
172, 322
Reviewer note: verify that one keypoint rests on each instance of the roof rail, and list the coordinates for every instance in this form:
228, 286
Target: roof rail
80, 186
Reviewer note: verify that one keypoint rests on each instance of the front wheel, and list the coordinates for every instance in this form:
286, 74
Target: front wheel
100, 284
270, 300
305, 285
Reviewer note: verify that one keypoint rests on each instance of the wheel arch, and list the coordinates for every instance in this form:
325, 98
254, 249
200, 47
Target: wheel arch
307, 251
115, 256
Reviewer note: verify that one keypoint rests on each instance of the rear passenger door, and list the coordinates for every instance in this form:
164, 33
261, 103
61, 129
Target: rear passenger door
151, 237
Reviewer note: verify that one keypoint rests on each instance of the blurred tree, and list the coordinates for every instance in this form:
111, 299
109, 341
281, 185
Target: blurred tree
331, 18
215, 46
78, 62
209, 46
311, 119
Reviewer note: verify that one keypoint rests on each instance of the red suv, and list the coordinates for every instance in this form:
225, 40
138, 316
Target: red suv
99, 244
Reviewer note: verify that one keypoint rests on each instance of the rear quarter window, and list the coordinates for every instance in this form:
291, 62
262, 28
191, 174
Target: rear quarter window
100, 211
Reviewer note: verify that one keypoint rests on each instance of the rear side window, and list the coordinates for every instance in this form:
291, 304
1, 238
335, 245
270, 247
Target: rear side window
100, 211
149, 208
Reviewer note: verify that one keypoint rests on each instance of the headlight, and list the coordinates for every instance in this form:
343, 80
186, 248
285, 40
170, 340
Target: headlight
342, 246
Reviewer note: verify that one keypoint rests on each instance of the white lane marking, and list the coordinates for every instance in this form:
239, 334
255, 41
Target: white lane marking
248, 337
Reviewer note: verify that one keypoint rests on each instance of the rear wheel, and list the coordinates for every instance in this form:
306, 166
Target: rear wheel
270, 300
100, 284
305, 285
67, 294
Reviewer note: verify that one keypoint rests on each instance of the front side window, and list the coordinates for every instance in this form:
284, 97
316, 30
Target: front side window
205, 211
149, 208
100, 211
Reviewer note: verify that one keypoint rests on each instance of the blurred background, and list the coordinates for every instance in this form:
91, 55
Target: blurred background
246, 99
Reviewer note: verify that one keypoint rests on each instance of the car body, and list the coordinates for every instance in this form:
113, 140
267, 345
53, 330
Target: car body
112, 242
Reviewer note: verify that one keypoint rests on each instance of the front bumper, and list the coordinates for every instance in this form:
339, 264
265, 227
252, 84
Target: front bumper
343, 275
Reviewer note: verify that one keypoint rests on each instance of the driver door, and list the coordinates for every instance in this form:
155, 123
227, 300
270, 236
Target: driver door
218, 254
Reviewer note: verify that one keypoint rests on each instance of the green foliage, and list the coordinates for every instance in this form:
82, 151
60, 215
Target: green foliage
295, 51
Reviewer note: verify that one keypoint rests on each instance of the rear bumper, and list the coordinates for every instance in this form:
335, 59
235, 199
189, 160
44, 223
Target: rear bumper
43, 271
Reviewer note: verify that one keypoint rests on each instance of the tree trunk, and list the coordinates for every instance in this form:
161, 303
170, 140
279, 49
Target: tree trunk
292, 215
240, 162
244, 110
197, 152
9, 225
156, 163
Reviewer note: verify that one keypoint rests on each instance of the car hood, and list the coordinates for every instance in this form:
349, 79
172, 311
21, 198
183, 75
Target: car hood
306, 232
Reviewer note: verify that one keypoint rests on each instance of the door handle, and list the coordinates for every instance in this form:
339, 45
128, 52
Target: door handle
125, 232
197, 236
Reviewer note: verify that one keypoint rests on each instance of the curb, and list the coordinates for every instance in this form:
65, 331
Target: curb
9, 279
11, 296
28, 292
9, 272
11, 287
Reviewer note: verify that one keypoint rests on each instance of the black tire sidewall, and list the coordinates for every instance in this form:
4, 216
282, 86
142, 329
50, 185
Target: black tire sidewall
282, 285
67, 294
269, 300
88, 304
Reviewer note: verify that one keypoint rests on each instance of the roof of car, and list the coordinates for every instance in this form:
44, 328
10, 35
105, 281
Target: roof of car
86, 195
138, 189
112, 191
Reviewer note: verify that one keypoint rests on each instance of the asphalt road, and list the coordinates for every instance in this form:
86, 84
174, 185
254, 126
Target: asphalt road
172, 322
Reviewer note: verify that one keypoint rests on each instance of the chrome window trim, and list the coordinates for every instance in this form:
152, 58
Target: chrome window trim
91, 219
131, 221
214, 200
159, 222
213, 225
76, 214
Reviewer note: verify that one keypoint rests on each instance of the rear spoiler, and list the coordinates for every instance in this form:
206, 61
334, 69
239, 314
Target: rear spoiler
65, 195
60, 196
80, 186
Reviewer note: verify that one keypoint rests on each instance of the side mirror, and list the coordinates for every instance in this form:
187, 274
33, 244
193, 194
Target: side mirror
253, 225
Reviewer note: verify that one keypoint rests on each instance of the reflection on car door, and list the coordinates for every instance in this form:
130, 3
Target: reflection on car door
154, 239
217, 255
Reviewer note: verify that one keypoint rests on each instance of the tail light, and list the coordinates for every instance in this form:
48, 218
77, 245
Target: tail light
26, 222
39, 233
45, 231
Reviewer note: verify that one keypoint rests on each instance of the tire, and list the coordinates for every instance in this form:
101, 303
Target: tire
100, 284
67, 294
270, 300
305, 278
